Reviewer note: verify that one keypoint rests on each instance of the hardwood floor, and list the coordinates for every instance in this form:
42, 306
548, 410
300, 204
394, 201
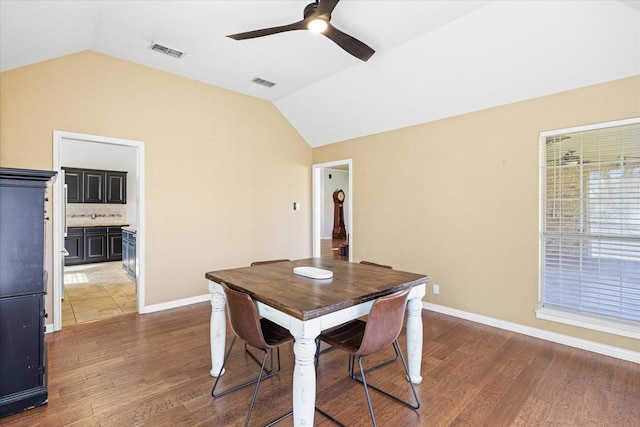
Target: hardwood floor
154, 370
330, 248
97, 291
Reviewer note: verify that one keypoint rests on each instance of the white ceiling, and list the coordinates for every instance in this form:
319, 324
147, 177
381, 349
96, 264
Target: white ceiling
434, 59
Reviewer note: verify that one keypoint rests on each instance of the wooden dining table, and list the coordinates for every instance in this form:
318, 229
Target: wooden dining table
307, 306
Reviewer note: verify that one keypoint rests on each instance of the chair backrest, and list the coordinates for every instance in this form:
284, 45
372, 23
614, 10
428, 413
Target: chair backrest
272, 261
244, 318
384, 323
376, 264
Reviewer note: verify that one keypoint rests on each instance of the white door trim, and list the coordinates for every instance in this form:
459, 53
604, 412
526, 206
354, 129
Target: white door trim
316, 182
58, 220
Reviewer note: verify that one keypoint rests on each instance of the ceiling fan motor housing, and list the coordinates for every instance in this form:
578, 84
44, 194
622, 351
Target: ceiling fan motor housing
310, 9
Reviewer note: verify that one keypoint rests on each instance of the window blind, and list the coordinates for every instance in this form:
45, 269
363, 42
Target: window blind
590, 239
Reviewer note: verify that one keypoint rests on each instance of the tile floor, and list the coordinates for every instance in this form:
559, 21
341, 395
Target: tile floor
96, 291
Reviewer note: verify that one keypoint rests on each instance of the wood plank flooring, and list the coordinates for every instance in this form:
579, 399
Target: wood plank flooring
154, 370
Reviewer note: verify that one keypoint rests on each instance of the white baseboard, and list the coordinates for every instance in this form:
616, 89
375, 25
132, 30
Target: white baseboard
607, 350
159, 307
176, 303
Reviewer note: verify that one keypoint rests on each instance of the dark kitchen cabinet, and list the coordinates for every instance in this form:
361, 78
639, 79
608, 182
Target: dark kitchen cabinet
129, 252
23, 283
114, 243
93, 244
116, 187
95, 186
73, 180
74, 244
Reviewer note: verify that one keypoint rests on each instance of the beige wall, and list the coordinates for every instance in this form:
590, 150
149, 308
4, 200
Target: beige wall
222, 169
457, 199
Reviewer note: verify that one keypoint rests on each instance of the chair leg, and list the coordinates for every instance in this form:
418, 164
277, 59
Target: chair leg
406, 370
290, 413
351, 367
327, 349
277, 420
385, 363
238, 387
255, 359
255, 392
366, 392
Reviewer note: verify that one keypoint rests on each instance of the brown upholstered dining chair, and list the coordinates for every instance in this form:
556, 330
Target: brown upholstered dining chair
373, 368
246, 348
361, 338
259, 333
329, 348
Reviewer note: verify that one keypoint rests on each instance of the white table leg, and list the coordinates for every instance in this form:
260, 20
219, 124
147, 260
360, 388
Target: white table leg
414, 339
217, 328
304, 382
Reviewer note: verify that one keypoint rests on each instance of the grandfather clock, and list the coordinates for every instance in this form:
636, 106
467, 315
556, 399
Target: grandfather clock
339, 232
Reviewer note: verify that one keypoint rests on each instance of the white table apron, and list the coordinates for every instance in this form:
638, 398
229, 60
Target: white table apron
305, 333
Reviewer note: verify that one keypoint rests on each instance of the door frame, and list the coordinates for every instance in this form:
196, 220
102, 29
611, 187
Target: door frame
59, 209
317, 194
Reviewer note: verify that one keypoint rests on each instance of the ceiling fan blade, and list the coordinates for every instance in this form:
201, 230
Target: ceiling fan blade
300, 25
325, 7
352, 45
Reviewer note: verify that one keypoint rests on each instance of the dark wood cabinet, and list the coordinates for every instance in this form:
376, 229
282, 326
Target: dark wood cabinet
73, 179
129, 252
95, 186
116, 184
23, 281
114, 243
74, 244
93, 244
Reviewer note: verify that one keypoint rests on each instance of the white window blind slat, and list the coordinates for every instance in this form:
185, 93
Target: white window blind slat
590, 237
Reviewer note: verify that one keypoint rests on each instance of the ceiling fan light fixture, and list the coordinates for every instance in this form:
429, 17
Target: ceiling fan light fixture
317, 25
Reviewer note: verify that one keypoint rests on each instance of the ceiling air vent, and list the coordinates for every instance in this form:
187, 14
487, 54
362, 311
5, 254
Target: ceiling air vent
166, 50
263, 82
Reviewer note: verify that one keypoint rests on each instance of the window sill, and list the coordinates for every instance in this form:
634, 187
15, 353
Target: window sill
626, 329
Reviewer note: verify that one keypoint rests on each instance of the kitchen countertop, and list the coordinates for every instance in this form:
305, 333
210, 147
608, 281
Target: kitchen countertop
97, 225
130, 229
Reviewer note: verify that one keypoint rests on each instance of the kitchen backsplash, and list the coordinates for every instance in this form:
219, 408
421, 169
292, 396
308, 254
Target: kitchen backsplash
90, 214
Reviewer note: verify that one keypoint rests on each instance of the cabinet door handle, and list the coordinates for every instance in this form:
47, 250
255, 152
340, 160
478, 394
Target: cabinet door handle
64, 208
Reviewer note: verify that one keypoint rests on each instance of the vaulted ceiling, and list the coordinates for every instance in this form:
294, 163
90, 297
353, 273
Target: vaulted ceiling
434, 59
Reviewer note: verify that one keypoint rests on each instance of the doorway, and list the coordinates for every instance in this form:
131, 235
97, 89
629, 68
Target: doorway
326, 178
111, 285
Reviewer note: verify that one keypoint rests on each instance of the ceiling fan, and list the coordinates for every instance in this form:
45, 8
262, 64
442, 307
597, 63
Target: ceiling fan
571, 158
317, 17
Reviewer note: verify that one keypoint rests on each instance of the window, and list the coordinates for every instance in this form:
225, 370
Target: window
590, 227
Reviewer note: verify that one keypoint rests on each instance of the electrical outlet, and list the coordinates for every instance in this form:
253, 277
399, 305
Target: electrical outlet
436, 289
